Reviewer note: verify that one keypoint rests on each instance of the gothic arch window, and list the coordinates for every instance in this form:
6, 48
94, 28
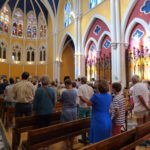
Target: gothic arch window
30, 53
17, 27
42, 26
93, 3
67, 13
3, 48
4, 19
42, 53
31, 25
16, 52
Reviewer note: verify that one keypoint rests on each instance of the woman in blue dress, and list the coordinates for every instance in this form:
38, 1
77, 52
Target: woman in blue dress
101, 124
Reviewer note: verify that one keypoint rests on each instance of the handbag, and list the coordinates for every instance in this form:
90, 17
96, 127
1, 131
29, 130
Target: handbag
47, 94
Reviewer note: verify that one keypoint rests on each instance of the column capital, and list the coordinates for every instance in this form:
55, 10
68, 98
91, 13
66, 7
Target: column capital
114, 45
126, 45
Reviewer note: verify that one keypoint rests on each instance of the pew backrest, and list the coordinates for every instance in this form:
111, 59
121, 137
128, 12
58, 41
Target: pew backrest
113, 143
56, 133
29, 122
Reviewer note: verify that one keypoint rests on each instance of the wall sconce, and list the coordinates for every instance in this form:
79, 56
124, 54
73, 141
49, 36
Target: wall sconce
16, 62
29, 62
2, 60
42, 62
77, 54
58, 60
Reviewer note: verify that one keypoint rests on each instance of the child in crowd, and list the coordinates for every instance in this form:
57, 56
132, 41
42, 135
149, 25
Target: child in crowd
118, 109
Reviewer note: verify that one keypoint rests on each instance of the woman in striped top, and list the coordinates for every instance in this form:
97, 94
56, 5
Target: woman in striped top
118, 109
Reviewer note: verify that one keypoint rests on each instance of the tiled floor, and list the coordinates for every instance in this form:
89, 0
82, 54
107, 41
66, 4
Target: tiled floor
62, 145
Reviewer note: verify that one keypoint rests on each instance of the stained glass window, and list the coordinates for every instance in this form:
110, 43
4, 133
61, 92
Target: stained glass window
94, 3
4, 19
42, 26
67, 16
31, 26
17, 28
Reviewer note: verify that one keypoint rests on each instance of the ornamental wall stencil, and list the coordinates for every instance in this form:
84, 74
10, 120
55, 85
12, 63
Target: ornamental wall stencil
146, 7
97, 30
138, 34
106, 44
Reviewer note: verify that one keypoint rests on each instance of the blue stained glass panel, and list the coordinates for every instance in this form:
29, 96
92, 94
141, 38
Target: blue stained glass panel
67, 16
93, 3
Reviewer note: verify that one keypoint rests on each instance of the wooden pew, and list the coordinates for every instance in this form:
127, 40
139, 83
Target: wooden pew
125, 141
142, 134
55, 133
2, 107
9, 114
113, 143
24, 124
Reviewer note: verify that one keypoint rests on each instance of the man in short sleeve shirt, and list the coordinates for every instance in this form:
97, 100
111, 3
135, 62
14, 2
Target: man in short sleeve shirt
141, 100
23, 94
84, 92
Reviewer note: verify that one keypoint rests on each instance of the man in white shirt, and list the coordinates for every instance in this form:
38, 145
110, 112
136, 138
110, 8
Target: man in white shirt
85, 92
141, 100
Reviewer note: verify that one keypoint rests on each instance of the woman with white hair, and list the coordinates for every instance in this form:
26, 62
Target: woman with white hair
44, 102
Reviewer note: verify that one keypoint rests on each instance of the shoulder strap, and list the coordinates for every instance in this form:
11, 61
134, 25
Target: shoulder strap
47, 94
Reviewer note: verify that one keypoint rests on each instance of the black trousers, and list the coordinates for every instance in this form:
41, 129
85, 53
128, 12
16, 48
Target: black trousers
23, 109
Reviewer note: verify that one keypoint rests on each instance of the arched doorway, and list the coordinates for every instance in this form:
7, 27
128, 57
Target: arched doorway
138, 36
138, 60
98, 51
67, 65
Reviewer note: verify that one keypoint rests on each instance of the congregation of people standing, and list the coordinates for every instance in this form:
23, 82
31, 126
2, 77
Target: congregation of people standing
102, 101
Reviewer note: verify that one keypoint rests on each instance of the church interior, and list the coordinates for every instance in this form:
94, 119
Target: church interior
97, 39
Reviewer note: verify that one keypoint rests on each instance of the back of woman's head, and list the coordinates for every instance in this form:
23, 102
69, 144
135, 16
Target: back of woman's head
103, 86
68, 82
74, 84
45, 80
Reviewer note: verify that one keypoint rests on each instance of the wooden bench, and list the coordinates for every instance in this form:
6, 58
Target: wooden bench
142, 134
24, 124
113, 143
2, 107
49, 135
125, 141
8, 116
